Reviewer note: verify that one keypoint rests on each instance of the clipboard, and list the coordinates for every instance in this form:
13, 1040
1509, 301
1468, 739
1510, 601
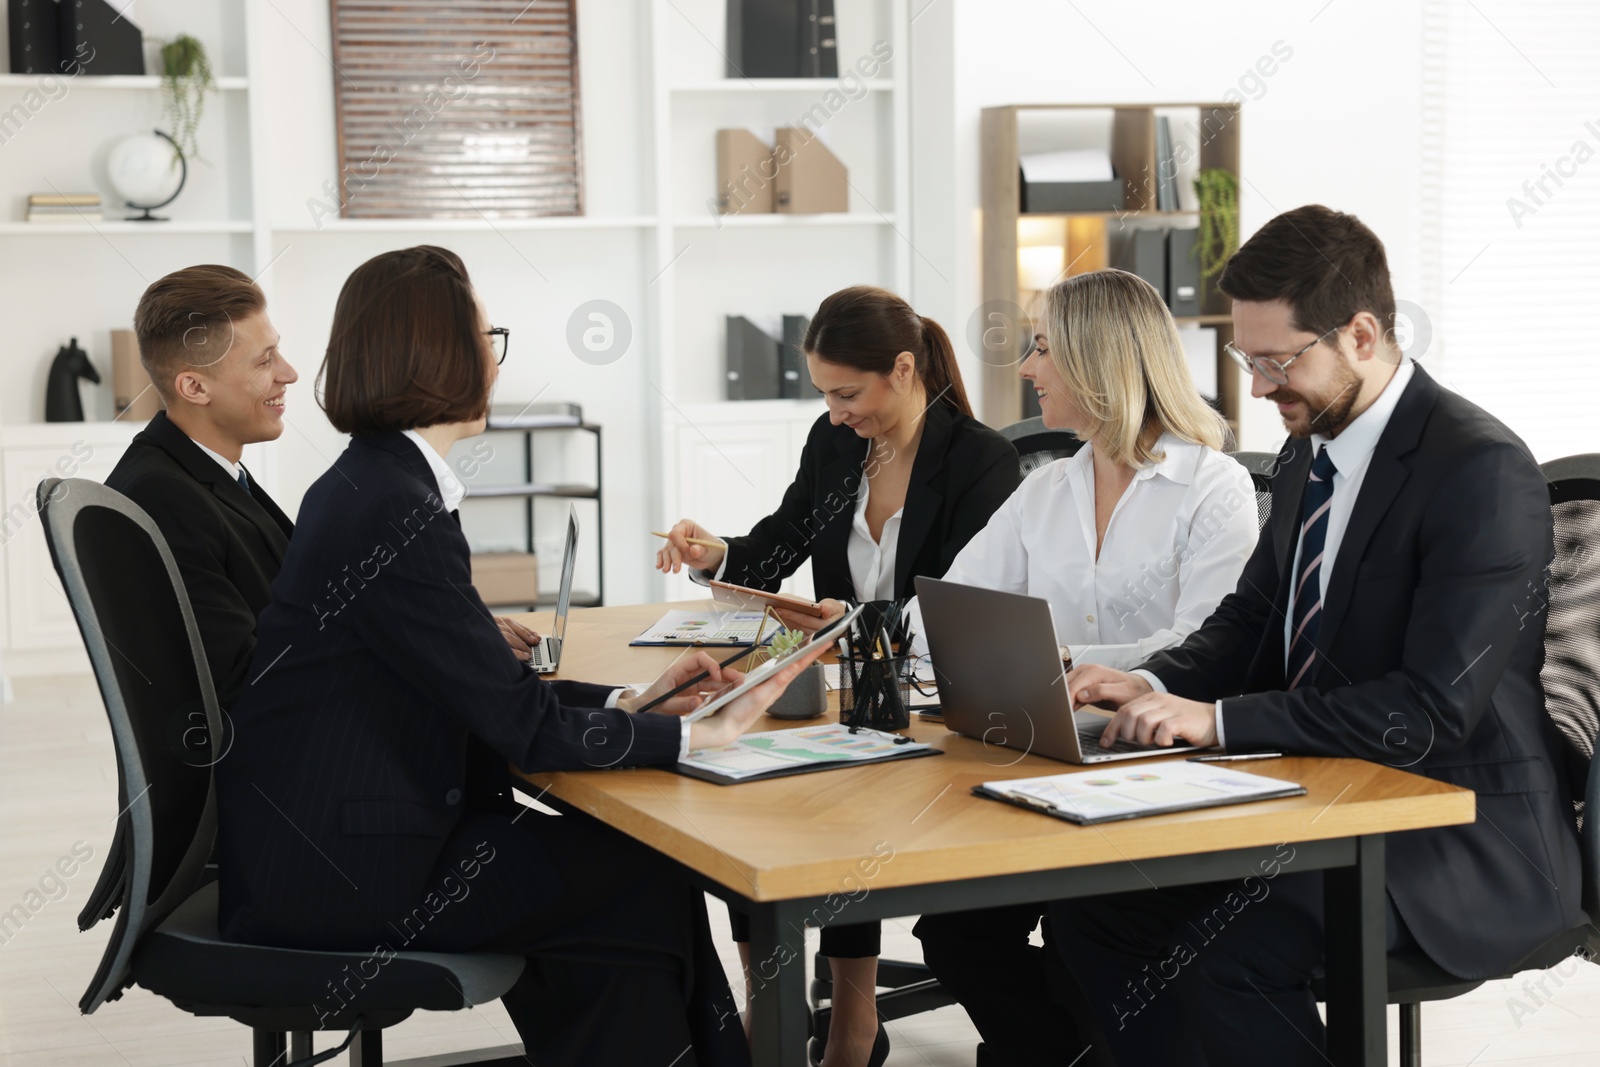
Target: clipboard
1132, 791
798, 751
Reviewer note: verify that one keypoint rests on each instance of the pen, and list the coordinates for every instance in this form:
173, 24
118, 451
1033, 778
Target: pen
1235, 757
701, 541
702, 676
896, 738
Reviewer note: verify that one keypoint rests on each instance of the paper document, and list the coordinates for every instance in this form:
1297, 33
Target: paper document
773, 750
1128, 792
705, 628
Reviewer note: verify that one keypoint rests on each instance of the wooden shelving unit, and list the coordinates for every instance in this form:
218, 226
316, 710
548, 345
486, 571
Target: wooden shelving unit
1215, 143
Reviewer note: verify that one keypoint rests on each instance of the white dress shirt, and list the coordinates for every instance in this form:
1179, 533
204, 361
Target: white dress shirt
1351, 453
872, 562
452, 492
228, 465
1174, 547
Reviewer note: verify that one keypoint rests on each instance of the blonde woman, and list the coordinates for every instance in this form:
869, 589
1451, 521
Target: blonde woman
1136, 538
1134, 541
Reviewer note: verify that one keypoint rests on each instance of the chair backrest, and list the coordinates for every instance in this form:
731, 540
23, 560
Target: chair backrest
1037, 445
136, 622
1571, 674
1262, 466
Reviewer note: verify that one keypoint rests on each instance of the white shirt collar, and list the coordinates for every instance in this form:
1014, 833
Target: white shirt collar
1356, 441
227, 464
451, 491
1178, 463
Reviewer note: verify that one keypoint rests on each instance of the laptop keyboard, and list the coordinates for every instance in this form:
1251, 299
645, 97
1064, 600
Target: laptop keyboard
1089, 742
540, 653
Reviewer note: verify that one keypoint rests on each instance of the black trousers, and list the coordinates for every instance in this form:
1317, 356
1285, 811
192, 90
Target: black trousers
1218, 973
850, 941
621, 967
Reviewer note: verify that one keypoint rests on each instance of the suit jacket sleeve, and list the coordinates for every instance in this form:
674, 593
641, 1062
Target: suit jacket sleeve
1485, 539
419, 614
199, 545
777, 545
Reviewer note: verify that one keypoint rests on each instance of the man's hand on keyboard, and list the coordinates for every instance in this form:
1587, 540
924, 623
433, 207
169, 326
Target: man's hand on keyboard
519, 637
1163, 719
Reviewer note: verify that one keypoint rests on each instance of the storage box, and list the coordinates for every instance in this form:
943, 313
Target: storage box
1057, 198
506, 577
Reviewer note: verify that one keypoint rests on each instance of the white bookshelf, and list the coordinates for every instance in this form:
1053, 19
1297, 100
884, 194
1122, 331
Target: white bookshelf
109, 82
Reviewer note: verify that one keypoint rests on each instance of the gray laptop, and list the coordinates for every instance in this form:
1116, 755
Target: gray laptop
998, 666
547, 653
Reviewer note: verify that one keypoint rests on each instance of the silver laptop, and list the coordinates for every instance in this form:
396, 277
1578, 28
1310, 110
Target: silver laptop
547, 653
998, 666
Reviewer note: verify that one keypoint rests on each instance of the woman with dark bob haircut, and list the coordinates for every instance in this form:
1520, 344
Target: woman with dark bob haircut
365, 802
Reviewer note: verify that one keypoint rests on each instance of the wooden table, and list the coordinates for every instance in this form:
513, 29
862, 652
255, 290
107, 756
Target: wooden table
908, 838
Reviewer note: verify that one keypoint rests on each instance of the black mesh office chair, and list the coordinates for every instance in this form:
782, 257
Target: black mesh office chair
1037, 445
1571, 679
1262, 466
166, 726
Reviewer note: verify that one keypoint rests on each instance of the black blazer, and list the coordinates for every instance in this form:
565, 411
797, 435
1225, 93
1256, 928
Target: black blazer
378, 668
1423, 665
228, 543
963, 472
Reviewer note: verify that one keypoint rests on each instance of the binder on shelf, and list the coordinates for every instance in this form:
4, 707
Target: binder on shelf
782, 39
1141, 252
99, 39
35, 33
1166, 167
795, 383
752, 361
745, 173
1183, 271
811, 180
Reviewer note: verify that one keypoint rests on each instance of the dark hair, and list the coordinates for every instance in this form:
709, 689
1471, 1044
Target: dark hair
179, 315
866, 328
407, 348
1325, 264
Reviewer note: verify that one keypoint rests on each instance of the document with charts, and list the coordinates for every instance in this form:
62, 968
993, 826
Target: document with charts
776, 753
726, 628
1121, 791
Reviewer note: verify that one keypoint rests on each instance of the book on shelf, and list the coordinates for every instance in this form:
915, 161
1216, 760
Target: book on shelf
63, 200
69, 215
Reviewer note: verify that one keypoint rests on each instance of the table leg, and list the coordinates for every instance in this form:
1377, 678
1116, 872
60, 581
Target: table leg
778, 972
1355, 917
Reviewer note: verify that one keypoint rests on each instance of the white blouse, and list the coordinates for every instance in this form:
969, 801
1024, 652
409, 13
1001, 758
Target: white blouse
1175, 546
872, 562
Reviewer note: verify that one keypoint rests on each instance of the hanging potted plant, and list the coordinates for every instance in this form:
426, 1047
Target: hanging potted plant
185, 80
1218, 194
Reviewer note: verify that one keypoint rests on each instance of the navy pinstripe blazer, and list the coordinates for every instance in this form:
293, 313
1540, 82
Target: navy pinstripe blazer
378, 670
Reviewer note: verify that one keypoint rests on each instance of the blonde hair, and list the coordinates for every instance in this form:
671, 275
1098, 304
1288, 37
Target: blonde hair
1113, 342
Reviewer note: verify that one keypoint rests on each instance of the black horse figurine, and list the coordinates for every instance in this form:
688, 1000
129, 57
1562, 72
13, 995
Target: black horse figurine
61, 400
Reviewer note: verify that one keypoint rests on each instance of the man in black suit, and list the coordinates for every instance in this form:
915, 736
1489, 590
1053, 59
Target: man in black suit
212, 355
1376, 621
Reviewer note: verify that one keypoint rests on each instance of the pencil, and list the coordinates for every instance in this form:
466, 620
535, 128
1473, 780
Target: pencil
697, 679
693, 540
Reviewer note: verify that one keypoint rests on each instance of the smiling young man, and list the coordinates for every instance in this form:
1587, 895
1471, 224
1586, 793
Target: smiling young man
1371, 622
212, 355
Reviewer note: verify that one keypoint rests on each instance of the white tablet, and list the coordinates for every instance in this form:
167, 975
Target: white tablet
828, 635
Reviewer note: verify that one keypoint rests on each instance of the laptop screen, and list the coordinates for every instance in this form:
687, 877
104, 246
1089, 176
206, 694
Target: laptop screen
569, 563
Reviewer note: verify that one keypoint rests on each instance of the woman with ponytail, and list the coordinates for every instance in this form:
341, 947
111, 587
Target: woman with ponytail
893, 482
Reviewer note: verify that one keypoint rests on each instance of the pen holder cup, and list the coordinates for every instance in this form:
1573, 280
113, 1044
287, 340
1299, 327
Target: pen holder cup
806, 697
879, 695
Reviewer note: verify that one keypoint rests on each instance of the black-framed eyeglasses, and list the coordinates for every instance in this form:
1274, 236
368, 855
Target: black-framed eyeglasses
1271, 369
501, 342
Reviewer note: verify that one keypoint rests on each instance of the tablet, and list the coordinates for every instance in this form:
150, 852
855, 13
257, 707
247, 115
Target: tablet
782, 600
827, 636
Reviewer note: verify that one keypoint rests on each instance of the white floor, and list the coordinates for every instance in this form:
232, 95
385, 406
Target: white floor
58, 788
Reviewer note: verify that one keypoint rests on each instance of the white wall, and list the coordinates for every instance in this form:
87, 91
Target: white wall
1337, 123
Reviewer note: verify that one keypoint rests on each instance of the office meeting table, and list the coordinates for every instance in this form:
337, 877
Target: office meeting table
908, 837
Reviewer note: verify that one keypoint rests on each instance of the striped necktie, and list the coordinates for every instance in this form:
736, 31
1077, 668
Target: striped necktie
1308, 585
